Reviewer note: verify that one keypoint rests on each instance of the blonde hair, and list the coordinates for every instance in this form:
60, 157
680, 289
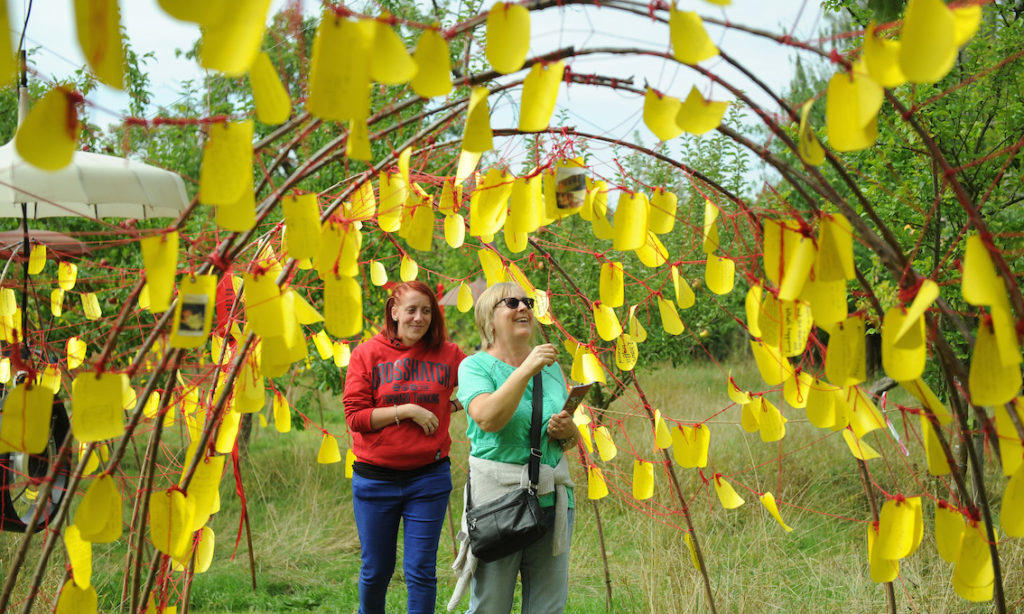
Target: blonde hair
483, 311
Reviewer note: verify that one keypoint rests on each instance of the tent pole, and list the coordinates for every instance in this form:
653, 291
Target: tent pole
23, 95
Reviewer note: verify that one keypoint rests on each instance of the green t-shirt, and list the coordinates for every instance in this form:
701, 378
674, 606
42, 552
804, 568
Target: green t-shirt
483, 373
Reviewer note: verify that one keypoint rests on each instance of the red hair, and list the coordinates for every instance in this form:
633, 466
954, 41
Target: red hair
436, 333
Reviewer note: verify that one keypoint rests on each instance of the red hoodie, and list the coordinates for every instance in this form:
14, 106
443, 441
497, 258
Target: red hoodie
384, 373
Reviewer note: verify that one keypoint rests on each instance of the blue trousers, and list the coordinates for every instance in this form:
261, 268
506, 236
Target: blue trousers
420, 504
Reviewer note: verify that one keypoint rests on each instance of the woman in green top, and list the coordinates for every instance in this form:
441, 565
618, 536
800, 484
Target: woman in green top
496, 387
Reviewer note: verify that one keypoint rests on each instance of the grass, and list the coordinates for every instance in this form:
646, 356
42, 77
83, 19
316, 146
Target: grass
307, 553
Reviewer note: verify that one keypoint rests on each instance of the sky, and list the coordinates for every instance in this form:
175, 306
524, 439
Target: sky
51, 30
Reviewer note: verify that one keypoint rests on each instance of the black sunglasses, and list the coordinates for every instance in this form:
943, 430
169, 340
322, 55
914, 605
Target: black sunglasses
512, 302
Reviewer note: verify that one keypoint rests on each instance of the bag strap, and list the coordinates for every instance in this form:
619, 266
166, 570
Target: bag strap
533, 470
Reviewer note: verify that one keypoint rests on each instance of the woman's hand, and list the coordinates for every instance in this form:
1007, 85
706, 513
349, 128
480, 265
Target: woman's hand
420, 415
540, 357
561, 426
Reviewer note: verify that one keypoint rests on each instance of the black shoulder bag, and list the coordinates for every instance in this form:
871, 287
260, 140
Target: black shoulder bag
511, 522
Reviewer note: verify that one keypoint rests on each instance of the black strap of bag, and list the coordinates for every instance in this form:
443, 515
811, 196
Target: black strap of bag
533, 470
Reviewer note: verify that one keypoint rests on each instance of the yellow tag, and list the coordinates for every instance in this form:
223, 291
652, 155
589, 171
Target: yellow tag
1012, 514
662, 436
419, 232
881, 569
860, 449
625, 352
170, 527
662, 217
980, 284
919, 388
26, 419
37, 259
493, 268
357, 146
390, 62
864, 415
8, 63
685, 297
75, 600
489, 203
91, 306
8, 302
1010, 447
193, 313
67, 274
768, 501
196, 11
835, 249
596, 487
465, 298
467, 164
927, 41
433, 75
773, 366
99, 34
350, 458
749, 414
608, 327
690, 41
204, 552
339, 79
5, 370
720, 274
949, 529
610, 284
97, 403
780, 240
273, 105
771, 422
727, 494
455, 230
227, 433
79, 555
827, 300
378, 274
710, 241
408, 269
808, 146
230, 45
323, 344
240, 215
636, 330
796, 388
342, 354
98, 516
302, 225
938, 464
477, 137
903, 359
282, 413
660, 112
605, 445
329, 452
690, 445
845, 362
643, 480
601, 226
451, 197
966, 21
738, 396
226, 171
540, 92
670, 317
990, 381
160, 257
851, 110
264, 309
203, 490
592, 369
343, 306
698, 115
630, 224
973, 575
338, 253
508, 37
652, 253
752, 307
394, 191
49, 135
881, 58
796, 268
688, 538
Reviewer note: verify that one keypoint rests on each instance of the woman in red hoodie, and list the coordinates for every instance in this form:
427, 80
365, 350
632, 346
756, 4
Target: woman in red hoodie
397, 405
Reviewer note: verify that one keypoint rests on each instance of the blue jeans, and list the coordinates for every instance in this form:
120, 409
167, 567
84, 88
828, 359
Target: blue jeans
545, 578
420, 503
